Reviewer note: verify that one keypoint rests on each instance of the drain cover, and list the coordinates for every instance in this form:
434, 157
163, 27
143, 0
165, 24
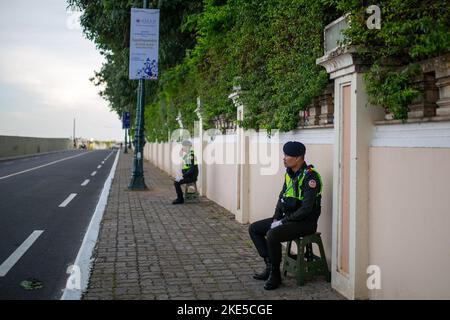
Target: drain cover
32, 284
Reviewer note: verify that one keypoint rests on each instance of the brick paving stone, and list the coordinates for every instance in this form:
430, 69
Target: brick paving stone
150, 249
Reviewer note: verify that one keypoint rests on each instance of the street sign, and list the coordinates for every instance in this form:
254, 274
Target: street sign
126, 120
144, 44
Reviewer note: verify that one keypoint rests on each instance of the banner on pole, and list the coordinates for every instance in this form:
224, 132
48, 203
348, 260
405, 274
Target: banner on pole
144, 44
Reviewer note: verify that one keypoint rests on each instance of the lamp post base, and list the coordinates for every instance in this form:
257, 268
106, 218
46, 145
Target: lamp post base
137, 184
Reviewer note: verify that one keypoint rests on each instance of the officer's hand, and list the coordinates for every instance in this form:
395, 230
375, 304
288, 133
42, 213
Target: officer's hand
275, 224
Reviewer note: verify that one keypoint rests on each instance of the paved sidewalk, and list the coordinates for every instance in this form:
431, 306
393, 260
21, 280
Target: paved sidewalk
151, 249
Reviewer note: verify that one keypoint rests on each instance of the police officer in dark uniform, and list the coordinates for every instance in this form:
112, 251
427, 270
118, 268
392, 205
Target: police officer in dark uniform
296, 213
189, 171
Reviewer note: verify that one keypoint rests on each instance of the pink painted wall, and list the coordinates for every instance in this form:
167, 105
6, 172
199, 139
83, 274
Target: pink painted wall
410, 222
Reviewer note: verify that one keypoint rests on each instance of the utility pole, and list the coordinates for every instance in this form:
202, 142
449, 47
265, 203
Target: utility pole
74, 139
129, 139
126, 144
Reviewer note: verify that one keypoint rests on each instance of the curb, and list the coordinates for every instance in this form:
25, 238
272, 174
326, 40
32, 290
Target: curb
81, 269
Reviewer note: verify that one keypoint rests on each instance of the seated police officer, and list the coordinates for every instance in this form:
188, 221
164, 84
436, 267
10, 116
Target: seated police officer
296, 213
189, 171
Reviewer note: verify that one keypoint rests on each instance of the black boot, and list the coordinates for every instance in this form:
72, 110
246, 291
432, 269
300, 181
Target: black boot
274, 280
265, 274
178, 201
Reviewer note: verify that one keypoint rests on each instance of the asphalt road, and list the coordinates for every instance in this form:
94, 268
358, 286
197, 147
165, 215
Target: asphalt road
42, 221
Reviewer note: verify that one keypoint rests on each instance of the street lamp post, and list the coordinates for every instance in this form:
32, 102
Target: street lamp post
126, 143
129, 138
137, 178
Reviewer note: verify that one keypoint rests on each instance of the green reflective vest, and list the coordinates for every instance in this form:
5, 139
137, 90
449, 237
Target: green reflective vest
290, 192
187, 160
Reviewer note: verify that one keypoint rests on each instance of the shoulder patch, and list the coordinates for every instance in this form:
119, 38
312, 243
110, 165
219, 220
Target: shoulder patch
312, 183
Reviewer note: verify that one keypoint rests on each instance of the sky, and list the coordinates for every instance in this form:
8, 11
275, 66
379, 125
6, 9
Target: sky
45, 66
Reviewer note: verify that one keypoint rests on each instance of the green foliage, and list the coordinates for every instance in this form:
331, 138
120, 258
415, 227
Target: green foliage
107, 24
411, 30
392, 89
270, 46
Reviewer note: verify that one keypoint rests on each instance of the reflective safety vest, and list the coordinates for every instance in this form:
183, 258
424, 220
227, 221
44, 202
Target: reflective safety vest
187, 160
290, 192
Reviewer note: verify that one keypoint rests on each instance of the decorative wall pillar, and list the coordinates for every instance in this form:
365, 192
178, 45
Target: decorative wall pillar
425, 104
200, 147
242, 158
353, 124
179, 120
314, 110
442, 71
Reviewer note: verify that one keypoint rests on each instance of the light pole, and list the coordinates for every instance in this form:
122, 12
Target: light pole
128, 130
74, 139
137, 178
126, 143
129, 139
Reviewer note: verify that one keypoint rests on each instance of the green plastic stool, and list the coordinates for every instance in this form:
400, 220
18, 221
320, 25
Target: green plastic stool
305, 264
191, 195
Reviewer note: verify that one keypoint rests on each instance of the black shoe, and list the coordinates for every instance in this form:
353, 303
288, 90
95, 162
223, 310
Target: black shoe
265, 274
274, 280
178, 201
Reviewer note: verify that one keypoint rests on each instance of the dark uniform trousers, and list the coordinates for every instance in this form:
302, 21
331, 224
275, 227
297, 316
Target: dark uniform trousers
268, 241
179, 183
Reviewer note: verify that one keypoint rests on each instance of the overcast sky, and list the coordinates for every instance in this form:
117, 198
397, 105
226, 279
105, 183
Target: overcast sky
45, 66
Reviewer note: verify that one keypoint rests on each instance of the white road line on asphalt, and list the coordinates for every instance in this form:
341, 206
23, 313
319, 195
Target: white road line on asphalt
109, 155
85, 182
94, 173
83, 260
20, 251
69, 198
42, 166
98, 167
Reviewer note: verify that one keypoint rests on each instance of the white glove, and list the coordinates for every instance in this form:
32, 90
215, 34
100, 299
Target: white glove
275, 224
178, 178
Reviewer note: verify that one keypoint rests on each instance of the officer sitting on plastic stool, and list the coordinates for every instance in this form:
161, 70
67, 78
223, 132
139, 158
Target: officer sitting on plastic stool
296, 213
189, 170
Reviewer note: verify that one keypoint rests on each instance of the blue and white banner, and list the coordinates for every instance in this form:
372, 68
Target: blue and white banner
144, 44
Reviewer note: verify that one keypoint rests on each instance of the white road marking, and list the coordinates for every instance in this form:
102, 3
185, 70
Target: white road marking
98, 167
20, 251
94, 173
83, 260
109, 155
69, 198
85, 182
42, 166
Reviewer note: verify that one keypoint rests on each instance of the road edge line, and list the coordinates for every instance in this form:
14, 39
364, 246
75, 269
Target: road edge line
84, 257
